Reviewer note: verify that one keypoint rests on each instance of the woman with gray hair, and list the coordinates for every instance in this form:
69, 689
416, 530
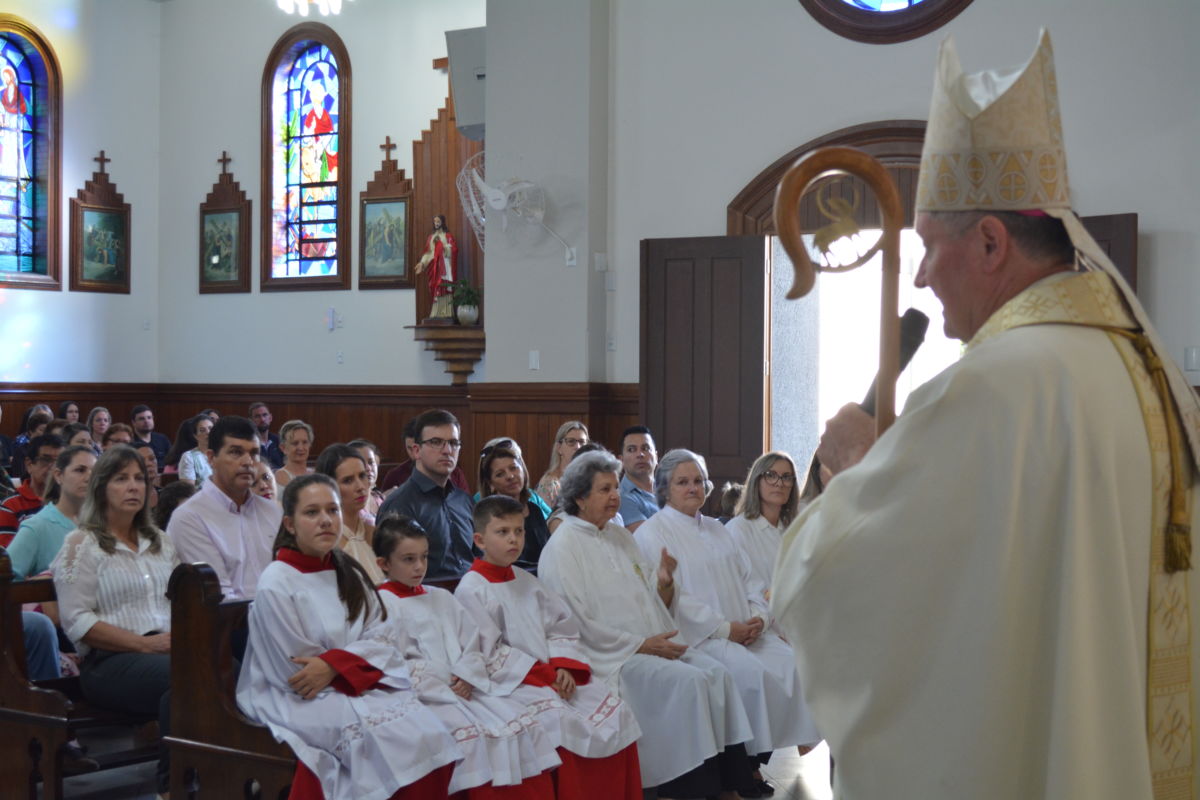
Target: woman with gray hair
692, 721
768, 505
723, 607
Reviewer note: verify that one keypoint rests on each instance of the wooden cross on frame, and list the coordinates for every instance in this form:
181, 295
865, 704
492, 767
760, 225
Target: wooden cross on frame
224, 161
103, 160
387, 147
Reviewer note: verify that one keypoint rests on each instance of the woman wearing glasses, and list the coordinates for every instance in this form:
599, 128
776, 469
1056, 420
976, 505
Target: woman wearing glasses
723, 610
571, 436
769, 503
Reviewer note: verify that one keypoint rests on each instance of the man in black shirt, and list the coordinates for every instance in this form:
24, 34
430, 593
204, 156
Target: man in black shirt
144, 433
432, 500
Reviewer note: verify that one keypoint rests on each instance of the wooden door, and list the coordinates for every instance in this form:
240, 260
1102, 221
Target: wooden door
703, 333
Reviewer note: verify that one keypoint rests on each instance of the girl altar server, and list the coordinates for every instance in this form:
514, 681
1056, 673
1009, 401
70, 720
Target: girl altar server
599, 732
325, 673
463, 673
723, 607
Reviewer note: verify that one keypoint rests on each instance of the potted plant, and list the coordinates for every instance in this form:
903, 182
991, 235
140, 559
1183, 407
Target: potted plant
465, 298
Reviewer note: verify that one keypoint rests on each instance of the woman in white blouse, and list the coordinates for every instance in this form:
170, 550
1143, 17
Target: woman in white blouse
111, 578
296, 439
768, 505
193, 465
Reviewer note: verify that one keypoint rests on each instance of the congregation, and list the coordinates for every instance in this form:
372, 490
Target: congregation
590, 635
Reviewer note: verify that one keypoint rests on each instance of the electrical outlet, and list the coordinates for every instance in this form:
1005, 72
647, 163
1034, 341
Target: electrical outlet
340, 358
535, 359
612, 343
571, 261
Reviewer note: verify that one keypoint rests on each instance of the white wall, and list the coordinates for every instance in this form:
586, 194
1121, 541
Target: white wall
109, 102
547, 121
706, 94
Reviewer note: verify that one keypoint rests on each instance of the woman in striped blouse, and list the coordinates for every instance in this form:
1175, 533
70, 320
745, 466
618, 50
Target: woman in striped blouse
111, 578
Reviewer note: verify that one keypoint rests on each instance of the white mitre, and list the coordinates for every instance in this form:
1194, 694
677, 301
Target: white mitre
994, 142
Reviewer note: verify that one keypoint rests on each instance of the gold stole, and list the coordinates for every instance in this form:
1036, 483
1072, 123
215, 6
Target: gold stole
1090, 299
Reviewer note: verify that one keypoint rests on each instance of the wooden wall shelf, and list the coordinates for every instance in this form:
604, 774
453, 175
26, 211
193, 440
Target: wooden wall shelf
460, 346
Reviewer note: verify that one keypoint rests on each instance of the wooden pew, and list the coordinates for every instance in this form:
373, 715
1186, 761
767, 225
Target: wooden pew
38, 717
216, 751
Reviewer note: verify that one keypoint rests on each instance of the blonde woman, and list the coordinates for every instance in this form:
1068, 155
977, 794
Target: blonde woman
295, 440
571, 436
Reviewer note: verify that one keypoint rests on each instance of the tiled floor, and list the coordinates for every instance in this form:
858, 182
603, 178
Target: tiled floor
794, 778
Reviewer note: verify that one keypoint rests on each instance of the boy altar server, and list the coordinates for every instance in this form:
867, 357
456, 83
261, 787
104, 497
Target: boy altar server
599, 732
464, 675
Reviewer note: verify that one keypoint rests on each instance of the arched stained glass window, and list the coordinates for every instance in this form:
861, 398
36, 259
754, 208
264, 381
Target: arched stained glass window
29, 158
306, 162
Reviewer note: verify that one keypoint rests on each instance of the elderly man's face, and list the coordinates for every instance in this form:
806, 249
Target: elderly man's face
949, 268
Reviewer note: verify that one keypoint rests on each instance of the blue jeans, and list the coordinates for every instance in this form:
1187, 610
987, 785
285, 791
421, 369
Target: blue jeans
41, 646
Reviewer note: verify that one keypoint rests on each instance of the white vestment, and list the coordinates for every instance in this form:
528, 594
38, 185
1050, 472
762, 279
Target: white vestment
505, 740
759, 540
969, 603
688, 709
716, 587
595, 722
359, 748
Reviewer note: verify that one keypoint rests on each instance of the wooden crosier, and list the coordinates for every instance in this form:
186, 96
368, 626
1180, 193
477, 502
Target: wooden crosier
796, 181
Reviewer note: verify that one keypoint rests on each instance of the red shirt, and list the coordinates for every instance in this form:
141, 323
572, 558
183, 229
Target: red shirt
25, 503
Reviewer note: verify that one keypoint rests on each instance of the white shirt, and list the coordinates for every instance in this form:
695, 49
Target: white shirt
124, 589
235, 542
759, 540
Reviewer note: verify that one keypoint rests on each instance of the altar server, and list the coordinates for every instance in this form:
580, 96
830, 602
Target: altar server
692, 720
326, 674
723, 608
466, 676
599, 732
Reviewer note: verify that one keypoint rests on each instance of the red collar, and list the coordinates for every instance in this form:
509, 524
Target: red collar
493, 573
302, 562
402, 589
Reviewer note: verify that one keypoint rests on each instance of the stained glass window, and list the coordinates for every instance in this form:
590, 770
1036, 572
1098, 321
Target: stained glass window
308, 166
881, 5
28, 158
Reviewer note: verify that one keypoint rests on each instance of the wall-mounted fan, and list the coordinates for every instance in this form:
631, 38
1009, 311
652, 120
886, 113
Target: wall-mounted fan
513, 199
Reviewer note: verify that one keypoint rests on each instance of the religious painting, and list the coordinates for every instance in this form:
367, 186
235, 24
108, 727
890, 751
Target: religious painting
384, 222
305, 224
29, 158
220, 233
384, 239
99, 248
225, 235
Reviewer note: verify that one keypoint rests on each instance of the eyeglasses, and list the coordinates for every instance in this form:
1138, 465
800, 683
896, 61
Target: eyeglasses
503, 444
438, 443
571, 440
774, 478
45, 459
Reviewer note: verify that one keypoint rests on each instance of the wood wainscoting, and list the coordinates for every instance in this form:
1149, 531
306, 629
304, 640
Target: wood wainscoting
528, 412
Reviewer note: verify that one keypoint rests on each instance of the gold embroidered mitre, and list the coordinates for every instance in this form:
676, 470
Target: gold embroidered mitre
994, 139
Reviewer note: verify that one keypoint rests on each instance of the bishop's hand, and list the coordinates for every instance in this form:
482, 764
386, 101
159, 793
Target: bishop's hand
847, 438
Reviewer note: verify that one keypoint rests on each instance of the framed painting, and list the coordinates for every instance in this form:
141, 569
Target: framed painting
100, 240
225, 236
383, 239
384, 222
